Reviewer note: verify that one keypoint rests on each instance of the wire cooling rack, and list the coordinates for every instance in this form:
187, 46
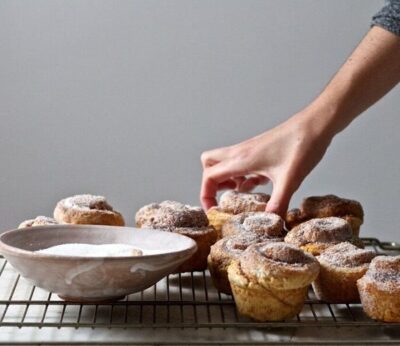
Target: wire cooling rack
176, 304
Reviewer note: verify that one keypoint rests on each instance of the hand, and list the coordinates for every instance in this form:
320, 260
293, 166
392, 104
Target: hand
284, 155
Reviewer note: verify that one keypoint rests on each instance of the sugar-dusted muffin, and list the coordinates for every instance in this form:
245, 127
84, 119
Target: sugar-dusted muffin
87, 210
341, 266
260, 222
326, 206
227, 249
234, 203
183, 219
379, 289
316, 235
270, 280
38, 221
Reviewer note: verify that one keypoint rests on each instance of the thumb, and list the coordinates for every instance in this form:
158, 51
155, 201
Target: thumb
281, 194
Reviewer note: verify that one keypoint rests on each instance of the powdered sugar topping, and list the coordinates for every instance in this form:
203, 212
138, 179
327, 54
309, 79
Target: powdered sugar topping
347, 255
238, 202
38, 221
171, 214
86, 202
261, 222
178, 206
92, 250
322, 230
384, 272
284, 253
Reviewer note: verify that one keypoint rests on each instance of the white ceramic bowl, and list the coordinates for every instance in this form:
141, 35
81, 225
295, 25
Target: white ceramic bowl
88, 279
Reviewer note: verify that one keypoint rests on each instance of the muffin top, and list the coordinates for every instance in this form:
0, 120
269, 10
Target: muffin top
324, 206
347, 255
171, 214
85, 202
328, 230
384, 273
262, 222
235, 202
279, 265
233, 246
38, 221
331, 205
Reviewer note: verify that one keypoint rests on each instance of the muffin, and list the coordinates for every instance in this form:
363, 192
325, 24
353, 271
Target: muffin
341, 266
270, 280
326, 206
233, 203
379, 289
183, 219
87, 210
254, 222
227, 249
316, 235
38, 221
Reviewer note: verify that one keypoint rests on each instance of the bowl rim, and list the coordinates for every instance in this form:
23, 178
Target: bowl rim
6, 249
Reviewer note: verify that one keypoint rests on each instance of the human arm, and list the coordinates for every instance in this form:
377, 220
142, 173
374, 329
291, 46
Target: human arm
286, 154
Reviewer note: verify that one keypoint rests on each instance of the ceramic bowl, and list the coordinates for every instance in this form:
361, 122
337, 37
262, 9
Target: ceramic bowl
94, 279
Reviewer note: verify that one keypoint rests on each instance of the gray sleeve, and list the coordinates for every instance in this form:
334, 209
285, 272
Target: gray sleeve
388, 17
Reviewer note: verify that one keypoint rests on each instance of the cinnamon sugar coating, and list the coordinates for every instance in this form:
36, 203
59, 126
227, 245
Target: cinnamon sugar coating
235, 202
379, 289
254, 222
183, 219
317, 235
278, 265
269, 281
341, 266
87, 209
326, 206
170, 214
227, 249
384, 272
38, 221
233, 246
347, 255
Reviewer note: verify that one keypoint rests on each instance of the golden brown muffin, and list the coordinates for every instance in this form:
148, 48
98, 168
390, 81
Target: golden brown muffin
87, 210
255, 222
233, 203
38, 221
170, 214
227, 249
341, 266
270, 281
326, 206
379, 289
316, 235
183, 219
217, 218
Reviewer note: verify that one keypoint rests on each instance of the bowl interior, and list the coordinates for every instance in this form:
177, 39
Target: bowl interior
151, 242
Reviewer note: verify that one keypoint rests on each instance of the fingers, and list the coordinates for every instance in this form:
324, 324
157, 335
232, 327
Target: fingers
253, 181
281, 194
212, 157
215, 177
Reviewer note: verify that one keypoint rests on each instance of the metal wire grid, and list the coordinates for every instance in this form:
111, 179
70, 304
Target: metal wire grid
178, 301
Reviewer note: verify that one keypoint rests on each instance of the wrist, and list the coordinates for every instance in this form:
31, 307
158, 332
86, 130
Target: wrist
334, 109
320, 120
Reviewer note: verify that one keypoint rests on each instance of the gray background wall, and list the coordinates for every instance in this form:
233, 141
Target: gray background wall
120, 98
